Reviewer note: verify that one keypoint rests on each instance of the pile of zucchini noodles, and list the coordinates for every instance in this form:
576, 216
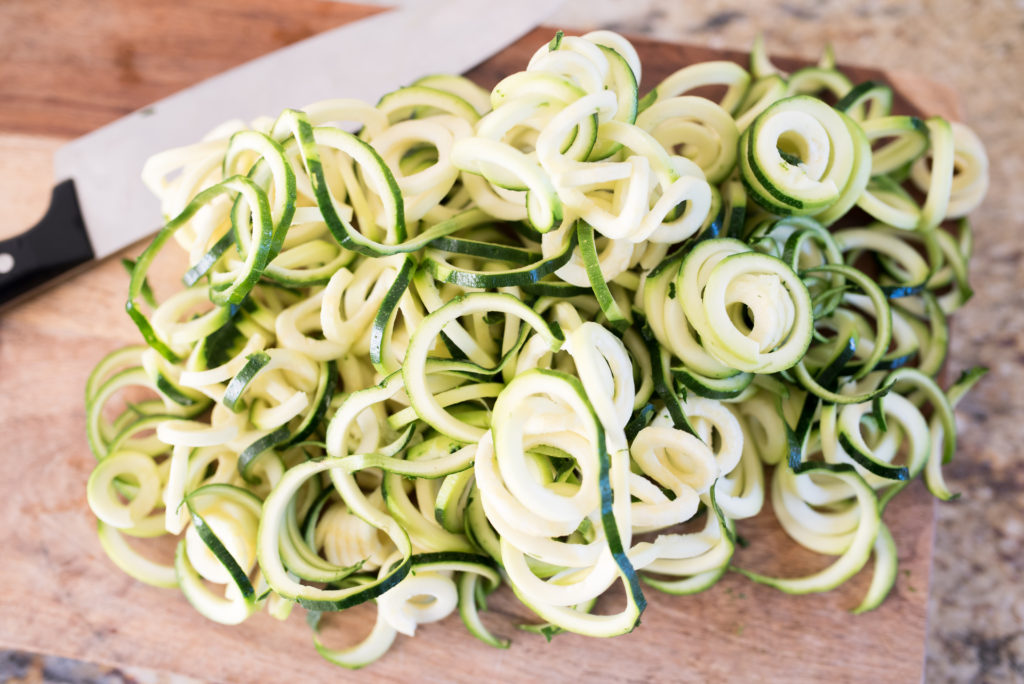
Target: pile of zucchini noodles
522, 336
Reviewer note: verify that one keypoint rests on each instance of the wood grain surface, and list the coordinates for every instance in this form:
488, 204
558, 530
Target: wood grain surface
70, 66
60, 594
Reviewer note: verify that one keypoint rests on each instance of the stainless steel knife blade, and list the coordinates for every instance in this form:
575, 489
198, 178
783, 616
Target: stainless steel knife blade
364, 59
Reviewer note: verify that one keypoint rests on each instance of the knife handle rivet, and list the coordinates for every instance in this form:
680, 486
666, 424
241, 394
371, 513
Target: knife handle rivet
6, 263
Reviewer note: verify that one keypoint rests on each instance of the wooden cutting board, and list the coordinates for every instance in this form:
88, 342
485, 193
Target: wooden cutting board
75, 65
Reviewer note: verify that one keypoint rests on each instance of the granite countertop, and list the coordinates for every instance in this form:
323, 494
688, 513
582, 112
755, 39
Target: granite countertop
976, 610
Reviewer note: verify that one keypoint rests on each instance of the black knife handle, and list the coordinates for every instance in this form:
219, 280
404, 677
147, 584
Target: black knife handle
52, 248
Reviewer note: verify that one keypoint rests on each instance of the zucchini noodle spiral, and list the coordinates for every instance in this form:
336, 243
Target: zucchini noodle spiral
556, 335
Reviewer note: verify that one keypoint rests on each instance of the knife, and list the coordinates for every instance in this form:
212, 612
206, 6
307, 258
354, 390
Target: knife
99, 203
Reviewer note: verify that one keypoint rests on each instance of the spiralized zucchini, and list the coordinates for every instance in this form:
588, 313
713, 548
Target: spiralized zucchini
465, 338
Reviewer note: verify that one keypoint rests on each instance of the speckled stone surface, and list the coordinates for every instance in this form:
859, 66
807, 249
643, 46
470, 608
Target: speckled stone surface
976, 611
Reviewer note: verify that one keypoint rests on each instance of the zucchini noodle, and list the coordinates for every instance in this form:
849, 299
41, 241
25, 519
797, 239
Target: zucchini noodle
556, 335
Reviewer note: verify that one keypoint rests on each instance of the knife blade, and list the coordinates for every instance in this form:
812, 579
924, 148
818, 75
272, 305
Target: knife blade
99, 203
